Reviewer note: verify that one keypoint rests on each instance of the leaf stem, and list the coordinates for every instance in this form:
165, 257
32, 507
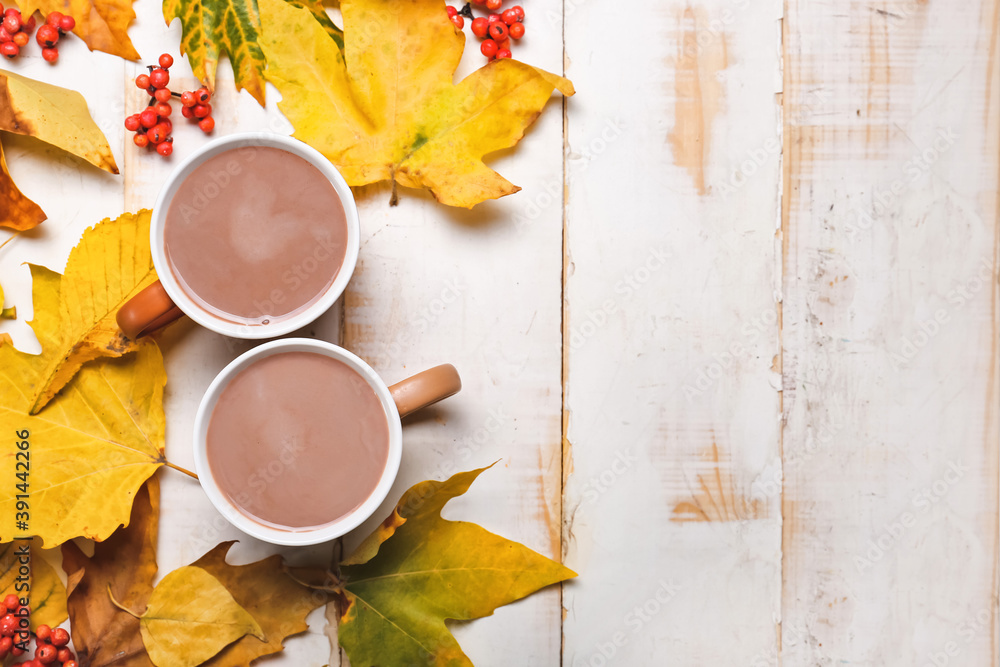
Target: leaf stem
336, 587
180, 469
120, 605
12, 237
394, 198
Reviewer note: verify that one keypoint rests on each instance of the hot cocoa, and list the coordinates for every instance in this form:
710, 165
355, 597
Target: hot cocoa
297, 440
255, 235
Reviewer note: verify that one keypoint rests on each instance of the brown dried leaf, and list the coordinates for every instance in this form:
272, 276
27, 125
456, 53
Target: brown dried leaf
126, 561
263, 588
191, 617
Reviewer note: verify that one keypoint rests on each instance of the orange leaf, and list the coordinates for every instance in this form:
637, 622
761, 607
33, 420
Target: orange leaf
101, 24
19, 212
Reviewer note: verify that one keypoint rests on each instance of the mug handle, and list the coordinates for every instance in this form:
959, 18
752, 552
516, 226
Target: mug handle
147, 311
425, 388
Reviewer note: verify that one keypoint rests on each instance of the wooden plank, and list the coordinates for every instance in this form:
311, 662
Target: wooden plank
480, 289
890, 333
671, 330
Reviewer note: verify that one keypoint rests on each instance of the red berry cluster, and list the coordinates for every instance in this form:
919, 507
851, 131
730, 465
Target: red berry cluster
15, 33
455, 17
50, 644
13, 626
56, 25
152, 126
51, 649
496, 29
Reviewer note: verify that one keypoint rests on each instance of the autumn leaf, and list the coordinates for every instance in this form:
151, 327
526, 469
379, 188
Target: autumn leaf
21, 213
55, 115
94, 444
386, 108
419, 570
318, 11
6, 313
263, 588
110, 265
48, 595
211, 28
191, 617
125, 565
101, 24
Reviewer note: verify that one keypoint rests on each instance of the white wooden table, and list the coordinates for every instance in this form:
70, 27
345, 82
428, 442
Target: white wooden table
735, 342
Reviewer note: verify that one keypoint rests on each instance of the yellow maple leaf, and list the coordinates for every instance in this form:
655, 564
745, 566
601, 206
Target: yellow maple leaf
101, 24
57, 116
110, 265
92, 446
386, 107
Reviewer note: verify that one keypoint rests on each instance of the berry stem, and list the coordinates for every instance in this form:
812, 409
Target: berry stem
180, 469
120, 605
466, 11
173, 94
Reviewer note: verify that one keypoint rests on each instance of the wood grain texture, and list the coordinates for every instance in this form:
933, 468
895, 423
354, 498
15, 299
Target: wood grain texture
670, 332
480, 289
890, 333
734, 343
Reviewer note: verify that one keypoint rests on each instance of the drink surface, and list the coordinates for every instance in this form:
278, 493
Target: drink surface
255, 235
297, 440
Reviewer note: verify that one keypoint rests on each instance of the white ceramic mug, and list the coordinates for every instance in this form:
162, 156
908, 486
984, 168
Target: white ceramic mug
164, 301
397, 401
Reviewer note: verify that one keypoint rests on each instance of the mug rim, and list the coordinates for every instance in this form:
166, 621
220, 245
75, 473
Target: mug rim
198, 313
343, 524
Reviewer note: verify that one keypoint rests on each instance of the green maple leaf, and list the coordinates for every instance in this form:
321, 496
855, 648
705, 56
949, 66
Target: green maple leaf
417, 569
